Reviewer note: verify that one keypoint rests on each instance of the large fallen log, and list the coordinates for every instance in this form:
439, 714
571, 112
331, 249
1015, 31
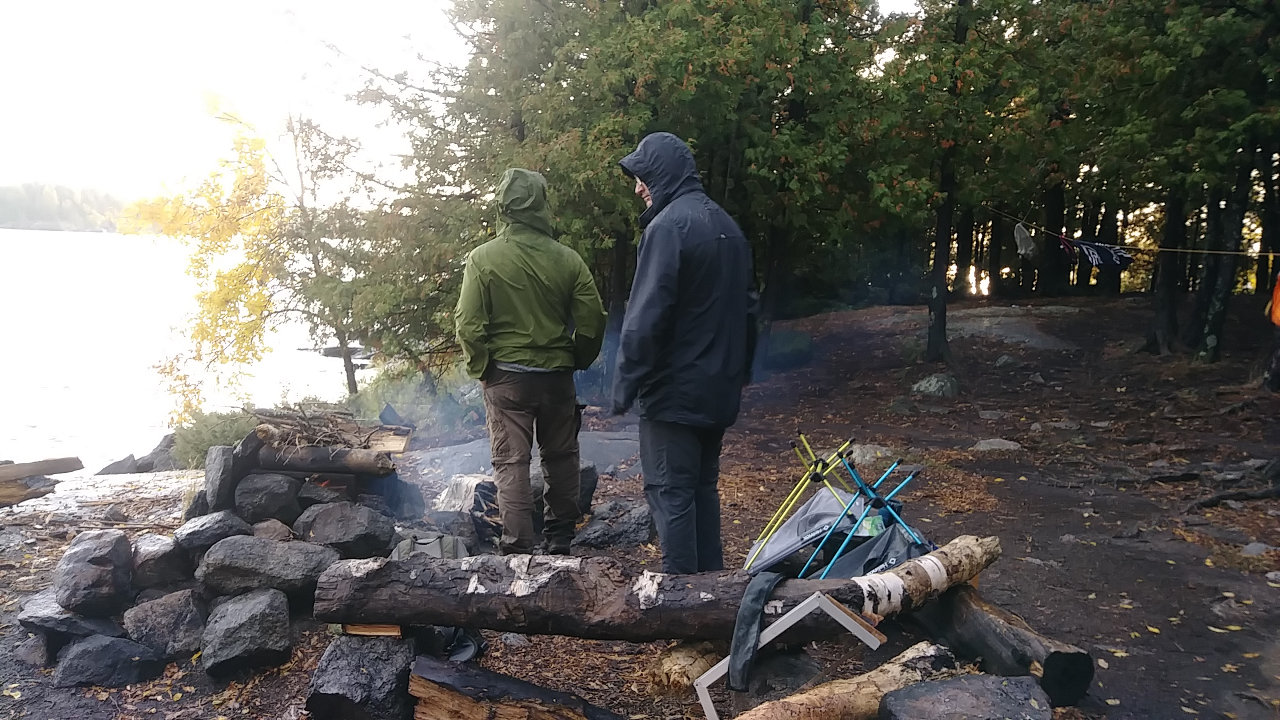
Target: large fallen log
463, 691
326, 460
25, 481
858, 698
54, 466
1006, 644
607, 599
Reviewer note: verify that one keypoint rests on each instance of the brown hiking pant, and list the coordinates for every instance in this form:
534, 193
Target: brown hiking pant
520, 405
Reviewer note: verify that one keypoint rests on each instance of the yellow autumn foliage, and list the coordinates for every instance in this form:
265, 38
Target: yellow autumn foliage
232, 223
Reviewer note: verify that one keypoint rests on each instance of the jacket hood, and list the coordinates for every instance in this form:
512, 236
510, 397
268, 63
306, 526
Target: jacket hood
664, 163
522, 200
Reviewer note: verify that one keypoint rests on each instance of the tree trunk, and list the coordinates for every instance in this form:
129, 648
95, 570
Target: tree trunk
607, 599
858, 698
1088, 233
1006, 644
997, 240
348, 363
619, 291
938, 349
1164, 329
1265, 270
1225, 285
770, 296
464, 691
1193, 331
1109, 234
964, 252
1054, 268
326, 460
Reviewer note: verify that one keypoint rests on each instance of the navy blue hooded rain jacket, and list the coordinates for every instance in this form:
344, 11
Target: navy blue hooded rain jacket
689, 331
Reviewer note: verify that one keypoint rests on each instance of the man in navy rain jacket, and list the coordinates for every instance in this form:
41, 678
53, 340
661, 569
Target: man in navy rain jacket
687, 341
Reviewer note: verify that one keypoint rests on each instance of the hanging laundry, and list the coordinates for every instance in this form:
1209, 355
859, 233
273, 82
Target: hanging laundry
1022, 236
1104, 255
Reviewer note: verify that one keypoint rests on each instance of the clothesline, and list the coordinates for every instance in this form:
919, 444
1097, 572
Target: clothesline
1131, 248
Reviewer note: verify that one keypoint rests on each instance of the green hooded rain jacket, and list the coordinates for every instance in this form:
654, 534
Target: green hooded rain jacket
527, 299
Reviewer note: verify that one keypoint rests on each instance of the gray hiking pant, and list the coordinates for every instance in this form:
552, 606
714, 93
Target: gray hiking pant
681, 465
520, 406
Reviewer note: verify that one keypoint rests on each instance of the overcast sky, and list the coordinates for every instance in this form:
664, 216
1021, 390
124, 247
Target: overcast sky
118, 95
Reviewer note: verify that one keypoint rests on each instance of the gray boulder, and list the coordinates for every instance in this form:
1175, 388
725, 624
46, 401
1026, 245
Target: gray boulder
311, 494
978, 697
242, 563
125, 466
362, 677
265, 496
171, 626
158, 560
160, 459
199, 534
198, 505
272, 530
33, 651
617, 523
219, 480
94, 576
995, 445
943, 385
354, 530
246, 631
106, 661
869, 456
41, 613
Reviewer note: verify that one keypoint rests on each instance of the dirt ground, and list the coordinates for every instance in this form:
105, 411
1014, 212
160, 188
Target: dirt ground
1097, 550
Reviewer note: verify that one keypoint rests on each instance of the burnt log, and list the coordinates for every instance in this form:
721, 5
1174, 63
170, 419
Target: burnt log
326, 460
1006, 645
858, 697
606, 599
463, 691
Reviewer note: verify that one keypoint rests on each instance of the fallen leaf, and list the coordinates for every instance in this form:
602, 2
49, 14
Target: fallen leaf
1216, 629
1234, 628
1251, 656
1229, 667
1155, 630
1119, 653
1103, 664
1112, 701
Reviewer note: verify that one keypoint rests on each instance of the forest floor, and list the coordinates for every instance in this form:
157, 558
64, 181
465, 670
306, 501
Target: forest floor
1097, 548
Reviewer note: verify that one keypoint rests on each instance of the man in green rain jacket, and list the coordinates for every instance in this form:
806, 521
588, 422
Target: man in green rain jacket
529, 315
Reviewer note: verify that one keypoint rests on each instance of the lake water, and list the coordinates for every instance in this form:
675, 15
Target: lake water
84, 319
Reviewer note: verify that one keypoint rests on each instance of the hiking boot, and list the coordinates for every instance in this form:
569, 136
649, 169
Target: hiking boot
556, 546
514, 549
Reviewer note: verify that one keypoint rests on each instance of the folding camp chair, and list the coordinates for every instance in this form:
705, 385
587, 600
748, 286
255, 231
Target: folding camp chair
871, 500
788, 531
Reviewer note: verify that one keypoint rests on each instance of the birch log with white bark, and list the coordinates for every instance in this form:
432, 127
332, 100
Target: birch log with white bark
858, 698
607, 599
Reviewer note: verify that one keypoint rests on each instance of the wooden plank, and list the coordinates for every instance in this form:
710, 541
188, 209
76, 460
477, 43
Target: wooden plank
371, 630
390, 439
52, 466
